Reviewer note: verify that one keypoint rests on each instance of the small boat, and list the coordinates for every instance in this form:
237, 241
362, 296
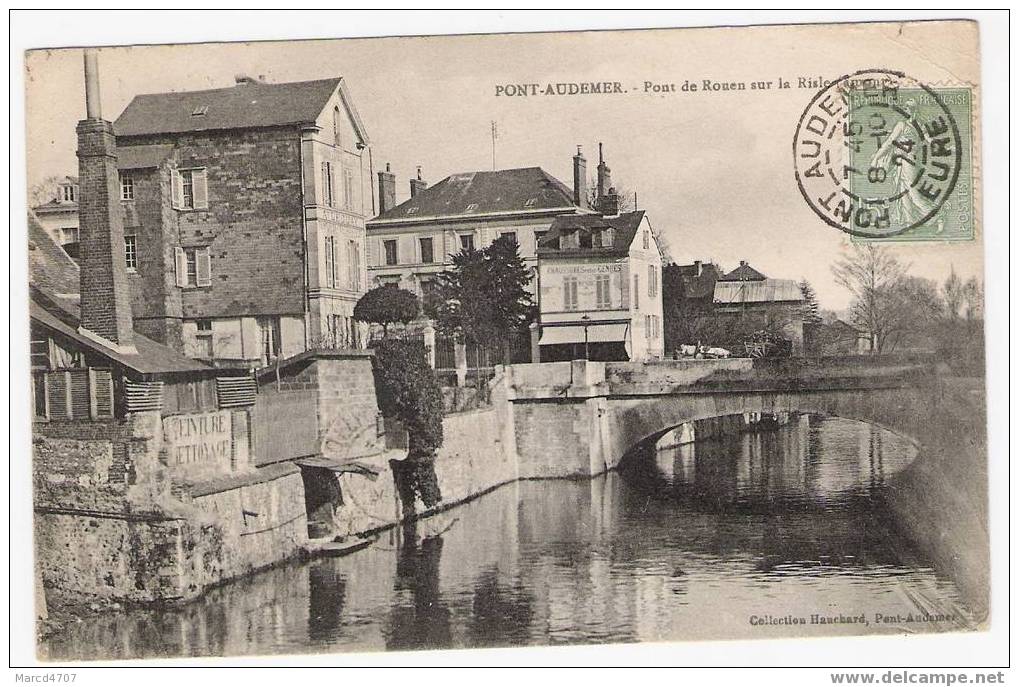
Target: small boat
335, 549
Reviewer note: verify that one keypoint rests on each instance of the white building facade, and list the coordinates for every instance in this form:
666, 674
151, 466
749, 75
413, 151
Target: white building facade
599, 286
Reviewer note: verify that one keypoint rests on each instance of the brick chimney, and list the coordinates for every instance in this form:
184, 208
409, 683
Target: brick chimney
604, 174
608, 204
579, 180
417, 185
105, 293
387, 190
698, 267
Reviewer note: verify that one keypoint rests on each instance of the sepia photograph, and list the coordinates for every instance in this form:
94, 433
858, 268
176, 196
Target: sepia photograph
504, 340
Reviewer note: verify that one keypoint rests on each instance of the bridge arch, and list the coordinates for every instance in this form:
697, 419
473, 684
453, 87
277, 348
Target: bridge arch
628, 422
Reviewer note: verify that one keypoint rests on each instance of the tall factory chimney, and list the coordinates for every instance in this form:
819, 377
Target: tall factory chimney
105, 292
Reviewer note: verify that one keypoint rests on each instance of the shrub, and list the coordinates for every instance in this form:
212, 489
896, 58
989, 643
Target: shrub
408, 390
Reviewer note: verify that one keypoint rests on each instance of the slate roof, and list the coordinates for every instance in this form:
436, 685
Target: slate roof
49, 267
142, 156
766, 291
243, 106
699, 285
54, 206
151, 358
527, 189
744, 273
53, 292
623, 226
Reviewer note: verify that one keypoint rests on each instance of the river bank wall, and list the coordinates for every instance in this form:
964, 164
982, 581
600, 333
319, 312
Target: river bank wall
940, 501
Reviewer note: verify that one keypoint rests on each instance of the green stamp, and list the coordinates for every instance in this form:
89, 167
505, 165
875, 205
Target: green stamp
882, 144
884, 157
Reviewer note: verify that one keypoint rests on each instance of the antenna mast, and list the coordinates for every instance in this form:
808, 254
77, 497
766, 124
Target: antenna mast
495, 135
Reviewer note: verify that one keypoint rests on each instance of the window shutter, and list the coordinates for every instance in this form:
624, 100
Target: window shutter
353, 279
180, 263
175, 191
203, 266
101, 387
81, 402
373, 252
337, 249
201, 188
57, 384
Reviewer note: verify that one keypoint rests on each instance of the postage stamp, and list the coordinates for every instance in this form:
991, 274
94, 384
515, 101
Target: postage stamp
882, 156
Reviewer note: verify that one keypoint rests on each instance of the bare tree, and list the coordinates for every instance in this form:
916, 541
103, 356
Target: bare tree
872, 274
973, 299
625, 195
953, 295
915, 309
44, 191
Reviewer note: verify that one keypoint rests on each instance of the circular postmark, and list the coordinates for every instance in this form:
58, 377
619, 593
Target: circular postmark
877, 153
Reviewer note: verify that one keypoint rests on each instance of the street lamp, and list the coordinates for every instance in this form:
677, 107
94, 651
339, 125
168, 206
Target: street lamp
586, 319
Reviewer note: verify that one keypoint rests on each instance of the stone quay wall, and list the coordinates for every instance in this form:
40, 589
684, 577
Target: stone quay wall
115, 524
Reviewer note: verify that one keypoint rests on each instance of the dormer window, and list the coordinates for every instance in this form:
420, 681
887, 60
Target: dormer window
200, 111
471, 207
411, 211
530, 202
67, 193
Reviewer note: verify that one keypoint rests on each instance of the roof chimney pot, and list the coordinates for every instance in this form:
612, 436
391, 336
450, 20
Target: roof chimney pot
93, 107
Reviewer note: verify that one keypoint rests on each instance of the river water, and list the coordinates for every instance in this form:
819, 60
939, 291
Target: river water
763, 534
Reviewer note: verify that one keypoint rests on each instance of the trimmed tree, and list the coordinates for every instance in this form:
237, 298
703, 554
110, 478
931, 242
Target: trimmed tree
386, 305
408, 390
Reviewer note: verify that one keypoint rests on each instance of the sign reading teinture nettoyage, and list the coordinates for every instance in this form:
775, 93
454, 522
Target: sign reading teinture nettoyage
202, 439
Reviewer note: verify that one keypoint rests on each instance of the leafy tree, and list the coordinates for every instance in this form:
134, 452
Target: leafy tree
811, 308
484, 297
408, 390
686, 320
386, 305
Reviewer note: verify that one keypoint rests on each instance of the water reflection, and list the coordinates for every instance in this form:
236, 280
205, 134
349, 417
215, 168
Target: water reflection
689, 543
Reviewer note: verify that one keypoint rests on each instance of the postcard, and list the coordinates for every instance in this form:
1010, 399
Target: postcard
507, 340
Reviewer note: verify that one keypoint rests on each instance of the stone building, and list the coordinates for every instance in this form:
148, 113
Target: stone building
244, 214
599, 287
746, 292
145, 487
411, 242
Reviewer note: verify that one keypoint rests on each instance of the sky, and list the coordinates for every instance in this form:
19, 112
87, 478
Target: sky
712, 169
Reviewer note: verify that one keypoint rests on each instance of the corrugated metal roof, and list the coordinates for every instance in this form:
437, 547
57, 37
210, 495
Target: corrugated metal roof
767, 291
244, 106
528, 189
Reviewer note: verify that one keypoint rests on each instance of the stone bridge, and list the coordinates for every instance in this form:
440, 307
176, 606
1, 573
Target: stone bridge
581, 418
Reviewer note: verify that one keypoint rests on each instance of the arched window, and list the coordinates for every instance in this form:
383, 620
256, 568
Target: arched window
337, 139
